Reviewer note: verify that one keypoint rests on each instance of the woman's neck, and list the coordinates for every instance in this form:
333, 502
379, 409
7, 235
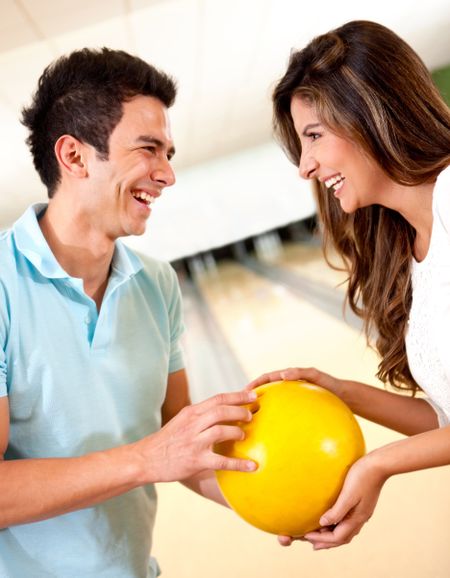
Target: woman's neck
415, 204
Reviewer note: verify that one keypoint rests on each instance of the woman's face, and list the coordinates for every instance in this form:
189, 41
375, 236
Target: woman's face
346, 170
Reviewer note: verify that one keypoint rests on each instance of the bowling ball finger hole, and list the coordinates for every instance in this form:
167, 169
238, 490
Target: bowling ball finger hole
254, 407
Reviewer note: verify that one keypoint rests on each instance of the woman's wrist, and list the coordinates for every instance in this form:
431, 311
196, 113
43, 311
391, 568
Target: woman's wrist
380, 463
342, 388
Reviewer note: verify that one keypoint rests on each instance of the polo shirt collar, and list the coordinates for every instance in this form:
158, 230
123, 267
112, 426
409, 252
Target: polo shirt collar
31, 242
125, 263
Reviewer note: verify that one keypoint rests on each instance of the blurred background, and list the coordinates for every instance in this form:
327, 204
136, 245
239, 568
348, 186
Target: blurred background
240, 229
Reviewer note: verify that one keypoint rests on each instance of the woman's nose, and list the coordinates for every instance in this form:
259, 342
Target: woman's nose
307, 167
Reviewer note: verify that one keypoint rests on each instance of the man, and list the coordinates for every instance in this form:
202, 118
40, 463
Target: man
90, 365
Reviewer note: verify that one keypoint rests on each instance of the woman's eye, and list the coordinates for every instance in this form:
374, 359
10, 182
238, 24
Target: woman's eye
314, 135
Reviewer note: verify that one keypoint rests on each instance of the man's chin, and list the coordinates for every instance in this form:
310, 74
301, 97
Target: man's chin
134, 230
138, 230
141, 230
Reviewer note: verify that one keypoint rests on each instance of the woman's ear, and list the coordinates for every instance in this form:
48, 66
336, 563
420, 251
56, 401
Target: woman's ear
69, 153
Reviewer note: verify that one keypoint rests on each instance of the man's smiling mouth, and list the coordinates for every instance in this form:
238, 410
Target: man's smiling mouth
143, 197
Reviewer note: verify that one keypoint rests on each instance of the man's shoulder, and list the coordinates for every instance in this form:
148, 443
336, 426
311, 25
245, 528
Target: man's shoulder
8, 268
7, 257
150, 266
155, 273
160, 272
5, 235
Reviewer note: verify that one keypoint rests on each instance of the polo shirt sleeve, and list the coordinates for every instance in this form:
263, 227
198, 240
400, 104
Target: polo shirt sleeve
176, 360
3, 334
3, 390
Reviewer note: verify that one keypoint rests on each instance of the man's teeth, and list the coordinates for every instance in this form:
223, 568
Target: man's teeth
335, 182
143, 196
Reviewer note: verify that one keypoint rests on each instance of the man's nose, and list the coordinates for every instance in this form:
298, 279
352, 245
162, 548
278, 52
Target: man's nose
164, 173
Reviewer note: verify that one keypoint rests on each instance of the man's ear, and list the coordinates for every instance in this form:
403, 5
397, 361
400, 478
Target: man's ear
69, 153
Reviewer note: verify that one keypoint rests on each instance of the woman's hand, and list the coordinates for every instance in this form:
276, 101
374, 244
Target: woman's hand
353, 508
310, 374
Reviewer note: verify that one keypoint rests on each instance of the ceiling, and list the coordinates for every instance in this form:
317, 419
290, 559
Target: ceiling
225, 55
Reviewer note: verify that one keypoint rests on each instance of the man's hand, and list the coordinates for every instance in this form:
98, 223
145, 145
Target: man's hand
185, 445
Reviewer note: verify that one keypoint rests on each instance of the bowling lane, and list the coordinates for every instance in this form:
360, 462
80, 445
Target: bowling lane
211, 364
267, 326
306, 260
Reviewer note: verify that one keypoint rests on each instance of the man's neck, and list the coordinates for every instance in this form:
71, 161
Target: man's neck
81, 249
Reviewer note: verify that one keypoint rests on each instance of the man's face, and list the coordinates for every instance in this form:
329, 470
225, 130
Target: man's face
138, 168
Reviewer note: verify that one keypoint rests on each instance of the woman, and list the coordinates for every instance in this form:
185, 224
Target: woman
357, 111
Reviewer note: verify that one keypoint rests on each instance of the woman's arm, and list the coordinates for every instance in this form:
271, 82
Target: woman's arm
402, 413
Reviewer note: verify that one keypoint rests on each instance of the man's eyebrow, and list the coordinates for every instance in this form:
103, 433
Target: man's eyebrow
309, 127
155, 141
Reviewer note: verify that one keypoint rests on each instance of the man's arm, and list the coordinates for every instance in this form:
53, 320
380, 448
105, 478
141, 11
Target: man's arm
37, 489
177, 397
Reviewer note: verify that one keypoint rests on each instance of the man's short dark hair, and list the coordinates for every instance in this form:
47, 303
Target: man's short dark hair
81, 94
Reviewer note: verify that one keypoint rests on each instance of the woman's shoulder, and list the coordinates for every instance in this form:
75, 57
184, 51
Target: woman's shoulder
441, 198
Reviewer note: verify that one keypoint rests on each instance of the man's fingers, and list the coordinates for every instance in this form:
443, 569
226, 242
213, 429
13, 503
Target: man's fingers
224, 415
232, 398
223, 463
222, 433
222, 408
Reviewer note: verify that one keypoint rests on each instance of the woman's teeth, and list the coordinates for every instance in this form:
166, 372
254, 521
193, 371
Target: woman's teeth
335, 182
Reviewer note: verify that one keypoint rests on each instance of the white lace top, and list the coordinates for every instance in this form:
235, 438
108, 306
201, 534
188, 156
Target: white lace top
428, 335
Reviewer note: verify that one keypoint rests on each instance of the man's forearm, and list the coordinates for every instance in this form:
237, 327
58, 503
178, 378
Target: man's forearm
37, 489
206, 485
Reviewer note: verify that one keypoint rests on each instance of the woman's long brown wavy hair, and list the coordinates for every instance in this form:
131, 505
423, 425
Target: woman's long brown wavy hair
369, 86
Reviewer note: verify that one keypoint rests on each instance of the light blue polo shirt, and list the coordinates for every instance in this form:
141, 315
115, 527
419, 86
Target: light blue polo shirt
78, 382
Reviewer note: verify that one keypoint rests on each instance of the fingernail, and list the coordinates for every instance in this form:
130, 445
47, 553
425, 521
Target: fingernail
252, 395
251, 466
324, 521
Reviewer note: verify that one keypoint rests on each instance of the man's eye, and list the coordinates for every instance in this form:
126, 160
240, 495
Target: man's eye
150, 149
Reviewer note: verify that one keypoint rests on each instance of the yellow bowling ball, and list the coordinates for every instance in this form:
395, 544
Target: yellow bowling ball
304, 439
